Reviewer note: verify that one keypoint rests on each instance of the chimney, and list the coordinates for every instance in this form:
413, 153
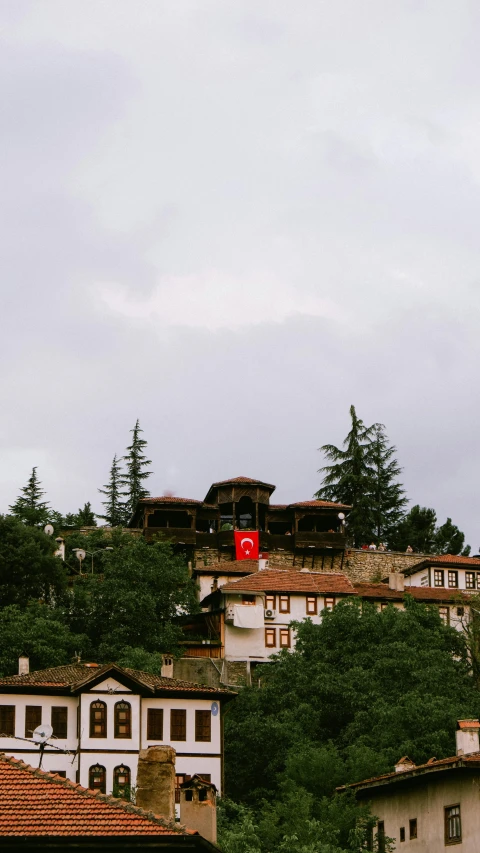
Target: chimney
167, 667
263, 560
405, 763
198, 807
467, 737
396, 581
23, 665
156, 781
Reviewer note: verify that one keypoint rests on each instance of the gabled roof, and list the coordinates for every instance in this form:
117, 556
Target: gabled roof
319, 504
444, 560
169, 500
76, 677
36, 803
228, 567
455, 762
242, 480
288, 580
419, 593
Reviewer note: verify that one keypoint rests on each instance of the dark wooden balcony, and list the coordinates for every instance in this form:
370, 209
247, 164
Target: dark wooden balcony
207, 540
308, 538
184, 535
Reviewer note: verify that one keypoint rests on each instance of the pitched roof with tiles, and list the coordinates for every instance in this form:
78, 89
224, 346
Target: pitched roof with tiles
242, 480
33, 802
167, 499
287, 580
419, 593
75, 676
229, 567
454, 560
319, 504
454, 762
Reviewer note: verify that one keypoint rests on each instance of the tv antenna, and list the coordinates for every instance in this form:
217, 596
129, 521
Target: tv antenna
41, 736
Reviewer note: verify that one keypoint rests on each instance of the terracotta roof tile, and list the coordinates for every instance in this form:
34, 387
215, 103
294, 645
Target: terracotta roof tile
169, 500
419, 593
33, 802
74, 675
320, 504
285, 580
247, 480
419, 769
229, 567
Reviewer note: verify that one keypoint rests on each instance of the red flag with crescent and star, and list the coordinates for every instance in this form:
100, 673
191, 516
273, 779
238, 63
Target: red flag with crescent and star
246, 544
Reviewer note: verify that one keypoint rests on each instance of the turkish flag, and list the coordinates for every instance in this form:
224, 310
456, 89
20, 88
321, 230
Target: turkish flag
246, 544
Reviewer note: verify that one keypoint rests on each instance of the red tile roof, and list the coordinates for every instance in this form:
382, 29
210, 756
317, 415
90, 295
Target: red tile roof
33, 802
468, 725
229, 567
320, 504
75, 675
247, 480
419, 593
453, 762
454, 560
169, 500
287, 580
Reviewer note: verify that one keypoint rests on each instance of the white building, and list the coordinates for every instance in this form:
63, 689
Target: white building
447, 571
103, 715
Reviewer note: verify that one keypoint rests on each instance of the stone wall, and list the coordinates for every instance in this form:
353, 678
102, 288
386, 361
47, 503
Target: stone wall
212, 673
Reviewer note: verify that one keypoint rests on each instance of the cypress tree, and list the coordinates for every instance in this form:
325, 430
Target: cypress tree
114, 506
388, 496
135, 475
350, 477
29, 506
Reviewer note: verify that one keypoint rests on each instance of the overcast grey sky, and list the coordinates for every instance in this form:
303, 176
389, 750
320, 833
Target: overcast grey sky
232, 219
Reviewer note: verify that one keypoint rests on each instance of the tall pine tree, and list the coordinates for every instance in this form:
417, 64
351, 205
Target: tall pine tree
29, 506
115, 514
135, 475
388, 496
350, 477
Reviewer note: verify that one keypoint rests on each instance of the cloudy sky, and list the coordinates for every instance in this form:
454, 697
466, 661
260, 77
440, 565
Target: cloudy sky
232, 219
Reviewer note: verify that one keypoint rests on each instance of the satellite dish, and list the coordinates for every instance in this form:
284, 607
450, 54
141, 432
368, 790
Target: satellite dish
42, 733
48, 529
214, 708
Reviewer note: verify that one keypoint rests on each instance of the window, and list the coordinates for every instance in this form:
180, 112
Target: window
155, 724
180, 778
123, 720
470, 580
381, 836
270, 601
438, 577
444, 613
284, 638
311, 605
178, 725
453, 825
98, 719
121, 782
203, 726
270, 638
460, 611
7, 719
412, 825
284, 605
402, 833
33, 718
249, 599
453, 580
96, 778
329, 603
59, 720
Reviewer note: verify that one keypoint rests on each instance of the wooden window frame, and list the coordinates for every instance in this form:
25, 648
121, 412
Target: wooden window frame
412, 828
444, 613
203, 726
308, 604
329, 602
7, 720
175, 726
122, 769
287, 632
402, 834
284, 600
60, 727
249, 600
273, 600
153, 726
447, 817
439, 575
117, 723
381, 836
273, 633
35, 712
452, 578
470, 580
95, 706
97, 769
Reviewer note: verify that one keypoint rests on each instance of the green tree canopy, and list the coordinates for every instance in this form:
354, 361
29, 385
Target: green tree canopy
115, 513
136, 471
388, 495
28, 569
29, 506
418, 529
40, 632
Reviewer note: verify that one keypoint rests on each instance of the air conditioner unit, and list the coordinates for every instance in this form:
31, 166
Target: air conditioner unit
270, 614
